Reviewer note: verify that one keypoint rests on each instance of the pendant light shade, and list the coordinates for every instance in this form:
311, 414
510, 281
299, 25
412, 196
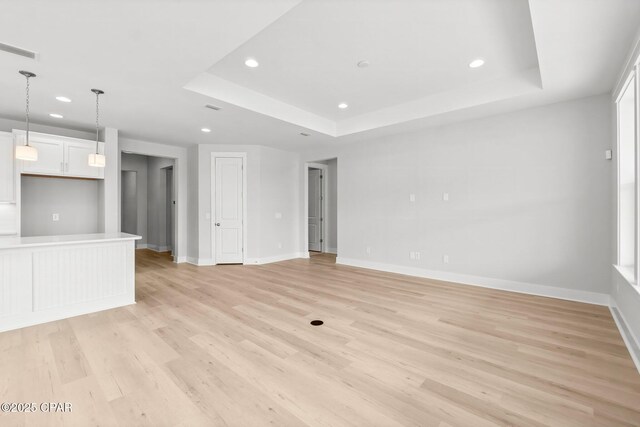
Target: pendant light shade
96, 159
27, 152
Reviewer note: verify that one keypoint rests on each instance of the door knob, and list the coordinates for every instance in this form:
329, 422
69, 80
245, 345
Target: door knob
217, 224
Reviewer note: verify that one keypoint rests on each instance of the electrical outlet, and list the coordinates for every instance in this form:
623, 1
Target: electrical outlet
279, 245
55, 217
368, 250
445, 197
445, 259
414, 255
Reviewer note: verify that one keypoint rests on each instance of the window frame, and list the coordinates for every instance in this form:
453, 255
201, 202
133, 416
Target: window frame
631, 79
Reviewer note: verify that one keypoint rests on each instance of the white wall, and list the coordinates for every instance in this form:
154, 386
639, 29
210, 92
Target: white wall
74, 200
625, 299
6, 125
272, 187
529, 200
138, 163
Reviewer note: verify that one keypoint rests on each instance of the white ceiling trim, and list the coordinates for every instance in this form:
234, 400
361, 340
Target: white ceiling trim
445, 102
226, 91
469, 96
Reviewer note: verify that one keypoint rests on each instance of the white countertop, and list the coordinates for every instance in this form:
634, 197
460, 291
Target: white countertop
26, 242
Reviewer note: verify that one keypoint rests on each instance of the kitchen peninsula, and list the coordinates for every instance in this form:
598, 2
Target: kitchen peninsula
55, 277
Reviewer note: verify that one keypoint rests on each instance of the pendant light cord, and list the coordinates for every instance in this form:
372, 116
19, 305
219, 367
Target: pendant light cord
97, 120
27, 110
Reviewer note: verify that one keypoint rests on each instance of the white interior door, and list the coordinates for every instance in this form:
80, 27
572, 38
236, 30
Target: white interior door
315, 210
228, 210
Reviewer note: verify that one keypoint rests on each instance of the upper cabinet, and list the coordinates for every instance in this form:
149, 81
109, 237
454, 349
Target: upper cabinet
7, 171
60, 156
76, 156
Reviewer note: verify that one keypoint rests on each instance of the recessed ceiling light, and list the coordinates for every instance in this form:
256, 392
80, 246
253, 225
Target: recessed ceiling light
363, 64
476, 63
205, 130
343, 105
251, 63
56, 115
63, 99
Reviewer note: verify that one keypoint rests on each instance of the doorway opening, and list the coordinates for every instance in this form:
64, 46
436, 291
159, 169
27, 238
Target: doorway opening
129, 197
147, 201
322, 206
228, 207
169, 207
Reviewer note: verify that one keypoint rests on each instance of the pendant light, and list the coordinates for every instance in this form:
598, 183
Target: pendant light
27, 152
97, 160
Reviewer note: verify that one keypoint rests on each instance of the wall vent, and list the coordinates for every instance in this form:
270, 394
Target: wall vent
213, 107
17, 51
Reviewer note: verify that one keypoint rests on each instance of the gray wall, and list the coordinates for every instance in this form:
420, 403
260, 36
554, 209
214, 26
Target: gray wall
75, 200
138, 164
129, 200
529, 197
331, 201
157, 202
151, 198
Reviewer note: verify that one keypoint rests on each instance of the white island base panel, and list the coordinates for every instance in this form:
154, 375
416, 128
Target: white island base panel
43, 279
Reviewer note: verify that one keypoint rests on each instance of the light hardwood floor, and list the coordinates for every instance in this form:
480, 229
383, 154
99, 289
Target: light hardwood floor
232, 346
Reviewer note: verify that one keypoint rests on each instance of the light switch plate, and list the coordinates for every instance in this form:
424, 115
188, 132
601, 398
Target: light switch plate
445, 197
412, 197
55, 217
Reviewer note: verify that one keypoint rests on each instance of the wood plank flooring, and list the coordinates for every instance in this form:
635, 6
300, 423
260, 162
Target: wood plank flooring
232, 346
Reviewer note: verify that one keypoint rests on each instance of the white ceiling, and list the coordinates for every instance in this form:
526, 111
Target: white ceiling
160, 62
308, 57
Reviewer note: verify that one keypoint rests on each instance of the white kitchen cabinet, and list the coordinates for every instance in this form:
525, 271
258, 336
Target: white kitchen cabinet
76, 160
60, 156
50, 155
7, 170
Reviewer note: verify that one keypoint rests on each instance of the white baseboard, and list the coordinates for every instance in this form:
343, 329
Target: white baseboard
332, 251
180, 259
141, 245
157, 248
200, 262
275, 258
632, 342
485, 282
